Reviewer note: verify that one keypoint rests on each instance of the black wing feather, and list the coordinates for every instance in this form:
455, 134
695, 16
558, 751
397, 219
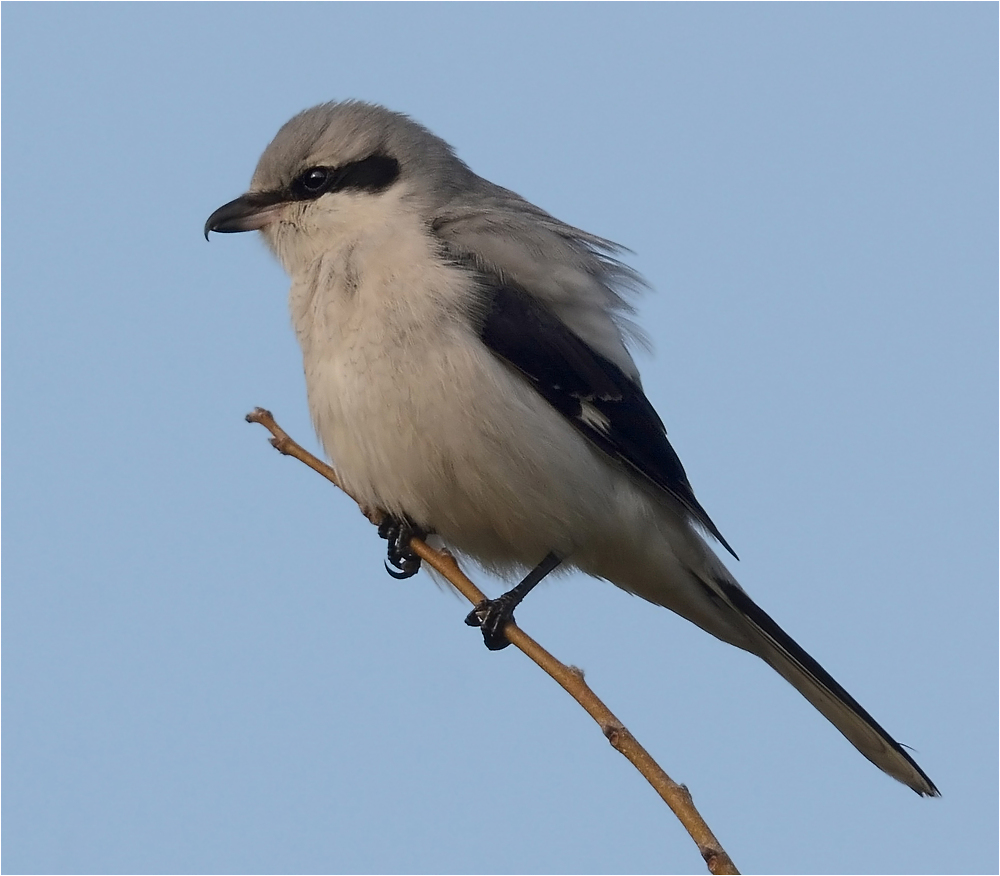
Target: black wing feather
568, 374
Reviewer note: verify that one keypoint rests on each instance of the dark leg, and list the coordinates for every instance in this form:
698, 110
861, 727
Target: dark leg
398, 533
491, 615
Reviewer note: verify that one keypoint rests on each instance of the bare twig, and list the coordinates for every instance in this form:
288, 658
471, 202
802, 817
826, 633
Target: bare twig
676, 796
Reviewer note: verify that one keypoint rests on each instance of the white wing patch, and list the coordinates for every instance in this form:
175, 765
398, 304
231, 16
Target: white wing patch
593, 417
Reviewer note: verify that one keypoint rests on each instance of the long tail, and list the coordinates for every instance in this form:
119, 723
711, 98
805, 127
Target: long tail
781, 652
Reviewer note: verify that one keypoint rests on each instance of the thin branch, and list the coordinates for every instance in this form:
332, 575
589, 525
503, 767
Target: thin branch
676, 796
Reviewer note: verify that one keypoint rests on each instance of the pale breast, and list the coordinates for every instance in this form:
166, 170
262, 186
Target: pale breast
420, 419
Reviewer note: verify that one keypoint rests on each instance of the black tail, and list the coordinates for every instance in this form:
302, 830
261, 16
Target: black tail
810, 679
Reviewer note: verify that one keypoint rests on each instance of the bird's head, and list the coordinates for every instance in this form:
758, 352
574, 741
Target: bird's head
334, 169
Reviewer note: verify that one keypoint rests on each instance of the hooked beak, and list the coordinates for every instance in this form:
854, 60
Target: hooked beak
248, 212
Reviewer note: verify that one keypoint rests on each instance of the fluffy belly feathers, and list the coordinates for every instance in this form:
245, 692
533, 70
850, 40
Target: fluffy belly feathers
466, 450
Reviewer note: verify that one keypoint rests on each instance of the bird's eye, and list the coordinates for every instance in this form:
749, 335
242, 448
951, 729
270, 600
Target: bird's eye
313, 181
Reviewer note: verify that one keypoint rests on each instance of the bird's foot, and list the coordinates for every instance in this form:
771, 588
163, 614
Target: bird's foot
398, 533
491, 616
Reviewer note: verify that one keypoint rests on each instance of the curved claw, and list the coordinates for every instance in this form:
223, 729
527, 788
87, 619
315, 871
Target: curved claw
491, 616
399, 556
401, 575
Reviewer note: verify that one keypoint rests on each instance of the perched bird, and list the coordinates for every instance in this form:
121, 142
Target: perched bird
467, 372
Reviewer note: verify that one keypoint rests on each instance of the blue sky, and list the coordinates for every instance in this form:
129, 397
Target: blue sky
205, 668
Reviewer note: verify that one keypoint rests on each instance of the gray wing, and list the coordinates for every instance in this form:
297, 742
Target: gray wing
561, 334
576, 275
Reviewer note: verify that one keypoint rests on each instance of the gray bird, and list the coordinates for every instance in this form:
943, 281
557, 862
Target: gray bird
467, 372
